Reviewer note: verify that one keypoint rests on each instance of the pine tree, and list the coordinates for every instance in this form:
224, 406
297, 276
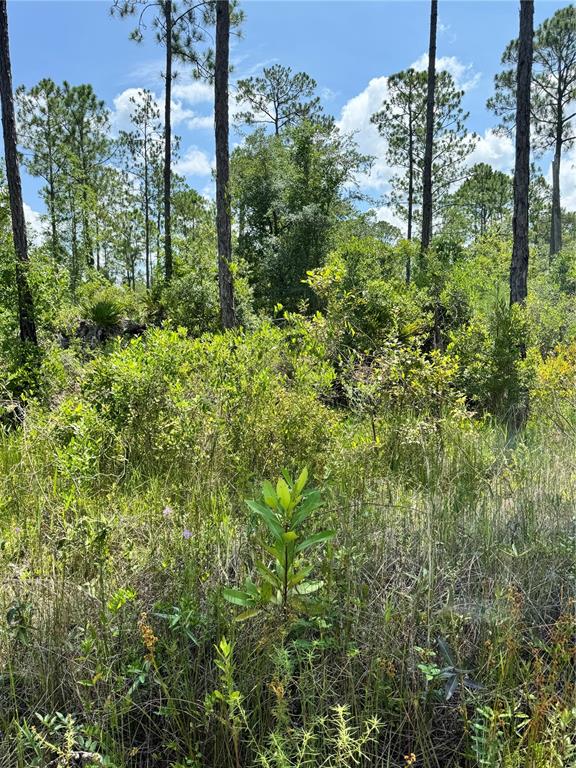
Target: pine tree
143, 146
25, 300
402, 121
221, 128
41, 114
278, 98
483, 202
427, 201
519, 264
180, 29
87, 148
553, 97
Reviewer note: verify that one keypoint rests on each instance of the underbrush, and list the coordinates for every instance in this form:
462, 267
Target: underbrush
443, 630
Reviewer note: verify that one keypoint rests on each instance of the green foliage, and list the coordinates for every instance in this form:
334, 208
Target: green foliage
278, 98
440, 630
481, 204
365, 298
60, 740
289, 192
284, 583
402, 121
491, 370
246, 402
105, 303
104, 310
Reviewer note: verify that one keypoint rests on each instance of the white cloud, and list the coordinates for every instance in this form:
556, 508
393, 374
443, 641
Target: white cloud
181, 114
327, 94
495, 149
195, 162
355, 118
200, 121
194, 92
209, 191
567, 179
447, 31
387, 213
464, 76
34, 226
356, 113
148, 72
120, 114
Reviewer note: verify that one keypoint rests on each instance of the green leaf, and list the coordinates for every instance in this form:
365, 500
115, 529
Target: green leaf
316, 538
312, 501
269, 494
309, 587
283, 493
251, 588
267, 591
300, 575
268, 516
268, 575
237, 597
249, 614
302, 480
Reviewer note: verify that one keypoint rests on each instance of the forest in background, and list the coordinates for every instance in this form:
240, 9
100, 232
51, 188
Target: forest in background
283, 484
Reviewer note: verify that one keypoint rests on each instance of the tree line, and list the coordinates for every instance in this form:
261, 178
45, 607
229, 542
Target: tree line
114, 205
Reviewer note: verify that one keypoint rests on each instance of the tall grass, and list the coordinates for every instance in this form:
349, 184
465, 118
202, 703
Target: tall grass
446, 637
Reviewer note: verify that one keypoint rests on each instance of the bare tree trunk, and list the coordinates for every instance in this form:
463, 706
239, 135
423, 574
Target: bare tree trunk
519, 264
146, 210
168, 268
429, 148
25, 301
556, 222
410, 178
410, 194
518, 414
75, 272
52, 211
223, 222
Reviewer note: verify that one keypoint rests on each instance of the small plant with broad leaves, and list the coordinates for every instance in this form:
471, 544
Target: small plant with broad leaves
283, 581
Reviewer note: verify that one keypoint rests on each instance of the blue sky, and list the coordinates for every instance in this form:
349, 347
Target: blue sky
349, 47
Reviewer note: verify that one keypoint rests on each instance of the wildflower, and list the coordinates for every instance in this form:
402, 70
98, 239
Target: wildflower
148, 637
167, 511
187, 534
410, 759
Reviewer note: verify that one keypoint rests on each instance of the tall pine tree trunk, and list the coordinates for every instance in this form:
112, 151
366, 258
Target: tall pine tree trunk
556, 222
25, 301
168, 268
146, 211
52, 208
429, 148
223, 223
410, 175
519, 264
518, 411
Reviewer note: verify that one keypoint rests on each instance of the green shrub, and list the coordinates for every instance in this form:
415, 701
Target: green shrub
491, 371
248, 403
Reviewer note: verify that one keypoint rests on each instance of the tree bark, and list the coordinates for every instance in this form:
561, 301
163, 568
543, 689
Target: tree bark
25, 301
429, 148
223, 222
146, 209
410, 173
519, 263
556, 222
168, 267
